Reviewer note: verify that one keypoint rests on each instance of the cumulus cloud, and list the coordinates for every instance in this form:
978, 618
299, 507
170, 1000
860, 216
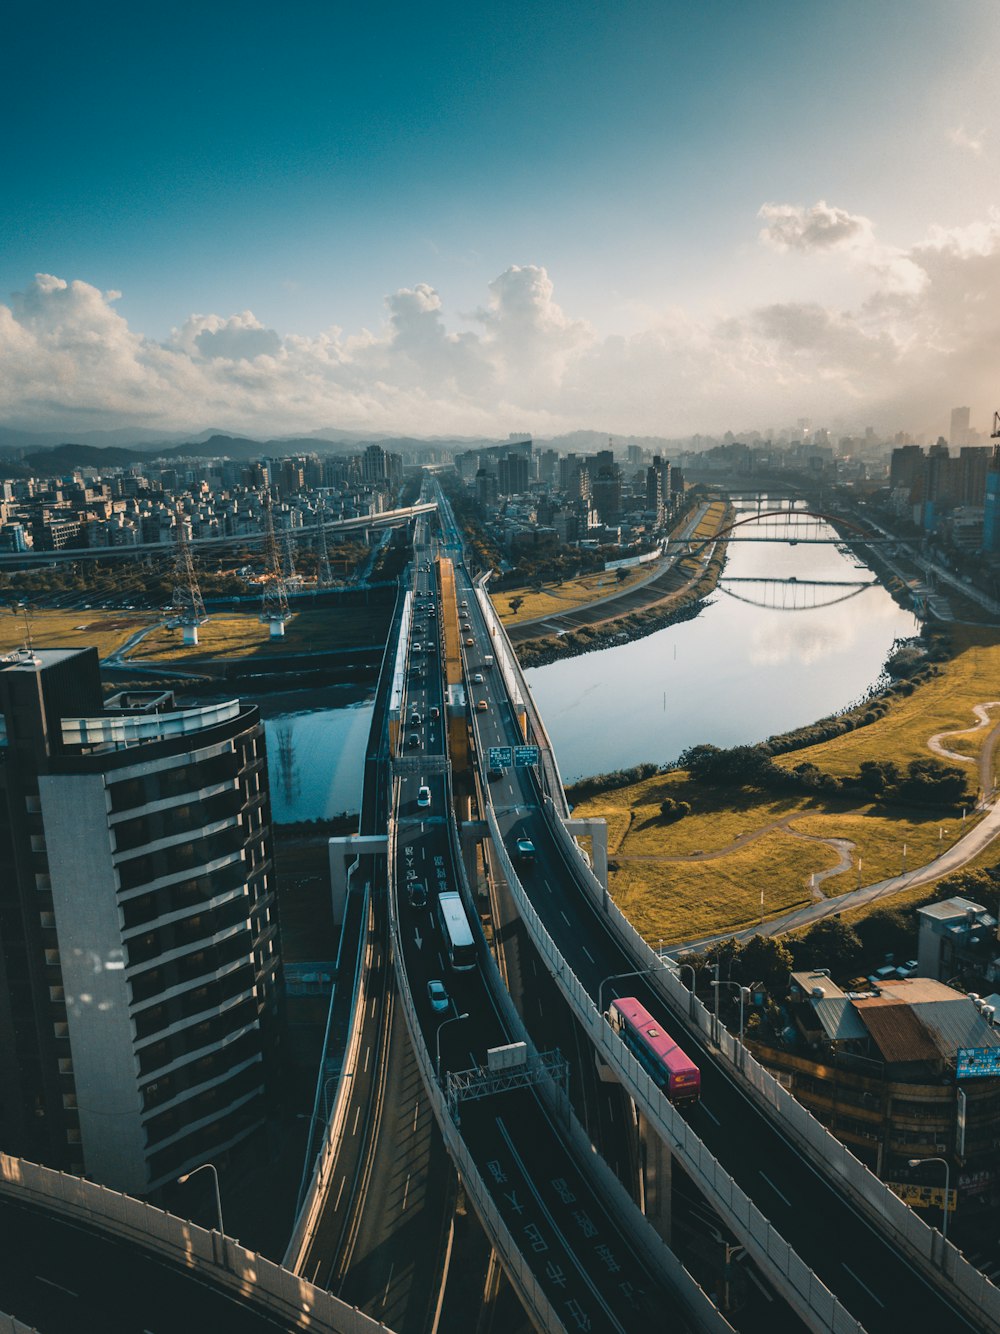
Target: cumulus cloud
791, 227
925, 336
823, 229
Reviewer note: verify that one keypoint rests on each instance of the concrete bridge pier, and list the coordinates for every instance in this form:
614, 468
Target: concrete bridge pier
473, 833
656, 1171
597, 828
348, 848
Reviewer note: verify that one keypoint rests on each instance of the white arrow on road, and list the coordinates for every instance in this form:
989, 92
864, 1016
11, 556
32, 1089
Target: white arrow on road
418, 937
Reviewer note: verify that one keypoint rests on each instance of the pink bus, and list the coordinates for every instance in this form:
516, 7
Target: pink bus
655, 1050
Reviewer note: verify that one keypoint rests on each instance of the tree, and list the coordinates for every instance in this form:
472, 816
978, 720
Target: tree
887, 931
831, 944
877, 776
931, 783
768, 960
621, 575
515, 605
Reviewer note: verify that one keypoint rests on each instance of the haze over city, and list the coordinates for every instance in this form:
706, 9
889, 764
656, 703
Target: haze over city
641, 218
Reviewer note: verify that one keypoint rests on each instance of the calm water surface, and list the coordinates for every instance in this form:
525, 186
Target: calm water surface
736, 673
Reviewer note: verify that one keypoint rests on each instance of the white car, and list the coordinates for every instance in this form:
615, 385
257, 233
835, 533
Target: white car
423, 796
477, 679
437, 995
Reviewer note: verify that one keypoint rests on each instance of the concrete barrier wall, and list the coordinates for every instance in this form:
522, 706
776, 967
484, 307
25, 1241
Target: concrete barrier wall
326, 1159
813, 1301
220, 1260
548, 767
8, 1325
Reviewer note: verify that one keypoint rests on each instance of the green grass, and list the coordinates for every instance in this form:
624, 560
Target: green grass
104, 630
755, 833
243, 634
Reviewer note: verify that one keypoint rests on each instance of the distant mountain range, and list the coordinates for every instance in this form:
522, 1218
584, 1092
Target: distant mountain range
23, 453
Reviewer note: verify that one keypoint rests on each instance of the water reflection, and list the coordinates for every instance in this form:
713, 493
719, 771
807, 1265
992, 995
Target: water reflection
316, 762
735, 674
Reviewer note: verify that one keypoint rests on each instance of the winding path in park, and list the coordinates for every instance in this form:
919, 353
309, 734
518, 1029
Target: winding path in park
959, 854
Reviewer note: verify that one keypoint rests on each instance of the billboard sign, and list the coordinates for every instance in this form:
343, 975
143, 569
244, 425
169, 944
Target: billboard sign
977, 1063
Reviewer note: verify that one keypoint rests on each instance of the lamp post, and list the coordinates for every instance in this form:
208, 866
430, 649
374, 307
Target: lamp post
218, 1198
331, 1079
744, 996
919, 1162
454, 1019
694, 984
616, 977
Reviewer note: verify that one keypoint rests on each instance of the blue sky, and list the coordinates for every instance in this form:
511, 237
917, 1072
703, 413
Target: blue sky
306, 162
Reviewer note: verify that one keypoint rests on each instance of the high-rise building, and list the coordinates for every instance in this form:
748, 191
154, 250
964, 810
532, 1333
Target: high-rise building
512, 474
959, 434
139, 947
991, 505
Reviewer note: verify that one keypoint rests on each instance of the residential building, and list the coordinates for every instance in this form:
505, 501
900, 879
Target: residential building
139, 946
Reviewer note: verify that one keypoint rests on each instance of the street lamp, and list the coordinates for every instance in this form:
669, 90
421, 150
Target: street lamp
218, 1198
744, 996
694, 984
919, 1162
616, 977
332, 1079
437, 1042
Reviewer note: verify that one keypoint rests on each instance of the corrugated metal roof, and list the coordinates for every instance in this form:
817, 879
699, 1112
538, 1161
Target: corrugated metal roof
808, 982
896, 1030
840, 1023
955, 1023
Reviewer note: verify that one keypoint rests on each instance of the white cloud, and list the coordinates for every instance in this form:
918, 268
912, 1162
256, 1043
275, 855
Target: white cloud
926, 336
791, 227
972, 143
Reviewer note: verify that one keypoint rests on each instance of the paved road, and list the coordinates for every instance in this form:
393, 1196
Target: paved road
872, 1280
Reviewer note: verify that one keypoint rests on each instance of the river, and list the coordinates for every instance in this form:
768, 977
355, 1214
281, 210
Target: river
736, 673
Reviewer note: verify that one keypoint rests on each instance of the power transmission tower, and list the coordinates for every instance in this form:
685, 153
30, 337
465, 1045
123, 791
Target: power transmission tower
324, 576
289, 557
274, 600
187, 601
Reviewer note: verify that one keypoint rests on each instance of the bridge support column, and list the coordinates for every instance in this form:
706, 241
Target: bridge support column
348, 848
597, 828
657, 1171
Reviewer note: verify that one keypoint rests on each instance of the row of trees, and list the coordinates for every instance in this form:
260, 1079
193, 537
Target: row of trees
924, 782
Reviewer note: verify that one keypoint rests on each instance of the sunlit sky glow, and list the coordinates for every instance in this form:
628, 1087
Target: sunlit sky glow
641, 216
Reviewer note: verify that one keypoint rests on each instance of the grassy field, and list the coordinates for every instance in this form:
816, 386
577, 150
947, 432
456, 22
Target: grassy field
741, 840
941, 705
106, 630
240, 635
572, 593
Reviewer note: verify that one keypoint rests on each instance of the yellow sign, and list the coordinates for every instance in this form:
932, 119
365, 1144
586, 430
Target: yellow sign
922, 1197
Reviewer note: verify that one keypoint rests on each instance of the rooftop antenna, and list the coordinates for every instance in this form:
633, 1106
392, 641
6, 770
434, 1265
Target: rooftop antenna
324, 575
995, 433
187, 602
274, 600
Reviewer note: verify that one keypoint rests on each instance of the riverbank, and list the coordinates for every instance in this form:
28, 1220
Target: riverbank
677, 594
742, 857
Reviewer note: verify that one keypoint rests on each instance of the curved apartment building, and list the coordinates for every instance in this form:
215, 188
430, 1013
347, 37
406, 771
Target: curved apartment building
139, 947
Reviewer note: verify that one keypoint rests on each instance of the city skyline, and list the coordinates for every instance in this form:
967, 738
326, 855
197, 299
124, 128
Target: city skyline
644, 221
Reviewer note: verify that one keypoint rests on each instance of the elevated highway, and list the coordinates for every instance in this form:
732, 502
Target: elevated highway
847, 1269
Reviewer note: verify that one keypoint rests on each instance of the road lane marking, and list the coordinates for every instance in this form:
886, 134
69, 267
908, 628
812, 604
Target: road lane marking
357, 1118
50, 1283
336, 1204
416, 1113
712, 1117
863, 1285
589, 955
777, 1191
368, 1053
568, 1249
565, 918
